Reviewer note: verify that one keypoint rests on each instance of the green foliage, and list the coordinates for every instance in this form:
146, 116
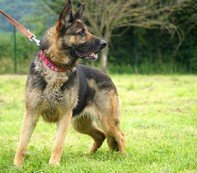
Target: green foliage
135, 51
158, 118
26, 51
153, 51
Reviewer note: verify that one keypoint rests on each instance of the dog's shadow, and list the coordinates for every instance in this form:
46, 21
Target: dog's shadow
100, 155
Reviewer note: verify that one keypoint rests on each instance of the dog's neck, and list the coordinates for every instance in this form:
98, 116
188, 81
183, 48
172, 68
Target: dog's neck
52, 54
42, 56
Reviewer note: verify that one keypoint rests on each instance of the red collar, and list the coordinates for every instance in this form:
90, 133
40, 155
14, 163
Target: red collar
52, 66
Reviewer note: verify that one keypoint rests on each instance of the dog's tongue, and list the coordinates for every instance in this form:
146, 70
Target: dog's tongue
94, 55
89, 56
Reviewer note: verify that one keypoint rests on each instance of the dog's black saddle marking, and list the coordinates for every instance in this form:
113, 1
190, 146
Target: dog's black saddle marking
85, 93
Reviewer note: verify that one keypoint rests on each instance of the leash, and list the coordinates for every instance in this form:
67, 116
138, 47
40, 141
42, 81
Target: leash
21, 28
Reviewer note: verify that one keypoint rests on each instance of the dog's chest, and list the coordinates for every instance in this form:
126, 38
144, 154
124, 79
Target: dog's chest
53, 99
53, 104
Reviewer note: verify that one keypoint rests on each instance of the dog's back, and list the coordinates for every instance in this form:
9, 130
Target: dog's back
91, 81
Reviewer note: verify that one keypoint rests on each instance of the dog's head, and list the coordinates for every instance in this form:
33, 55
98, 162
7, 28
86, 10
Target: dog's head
72, 36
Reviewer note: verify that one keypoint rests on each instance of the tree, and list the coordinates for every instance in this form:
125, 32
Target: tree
105, 16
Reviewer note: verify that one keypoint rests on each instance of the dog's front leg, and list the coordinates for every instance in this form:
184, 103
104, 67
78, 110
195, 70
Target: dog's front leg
62, 126
29, 123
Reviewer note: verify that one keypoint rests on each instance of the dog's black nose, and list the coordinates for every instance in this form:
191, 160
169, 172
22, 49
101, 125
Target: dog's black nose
103, 43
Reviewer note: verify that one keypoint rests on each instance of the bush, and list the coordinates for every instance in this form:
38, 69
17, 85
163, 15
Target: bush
26, 51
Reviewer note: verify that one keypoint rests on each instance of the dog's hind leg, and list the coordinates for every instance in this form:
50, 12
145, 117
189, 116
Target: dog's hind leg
109, 118
29, 123
115, 140
86, 125
62, 126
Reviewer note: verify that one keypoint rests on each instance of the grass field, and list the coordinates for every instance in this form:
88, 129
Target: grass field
159, 119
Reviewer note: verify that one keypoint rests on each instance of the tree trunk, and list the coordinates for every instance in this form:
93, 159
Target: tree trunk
104, 55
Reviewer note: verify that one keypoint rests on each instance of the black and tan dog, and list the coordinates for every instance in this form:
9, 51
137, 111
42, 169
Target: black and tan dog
61, 91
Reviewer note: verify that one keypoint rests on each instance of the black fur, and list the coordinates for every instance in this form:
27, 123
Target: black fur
102, 80
44, 44
85, 93
38, 80
70, 83
94, 45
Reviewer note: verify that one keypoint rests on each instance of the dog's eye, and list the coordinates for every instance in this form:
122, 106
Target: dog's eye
81, 33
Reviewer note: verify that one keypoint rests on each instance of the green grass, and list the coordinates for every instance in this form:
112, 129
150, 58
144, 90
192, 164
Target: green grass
158, 118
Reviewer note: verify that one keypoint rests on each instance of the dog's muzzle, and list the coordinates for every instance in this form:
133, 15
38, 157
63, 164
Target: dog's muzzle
90, 50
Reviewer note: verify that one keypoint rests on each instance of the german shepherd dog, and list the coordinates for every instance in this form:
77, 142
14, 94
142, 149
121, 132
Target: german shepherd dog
61, 91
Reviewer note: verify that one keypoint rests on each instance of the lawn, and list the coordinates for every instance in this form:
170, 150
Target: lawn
158, 118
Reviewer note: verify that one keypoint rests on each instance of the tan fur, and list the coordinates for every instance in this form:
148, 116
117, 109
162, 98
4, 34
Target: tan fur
29, 123
62, 126
88, 36
54, 52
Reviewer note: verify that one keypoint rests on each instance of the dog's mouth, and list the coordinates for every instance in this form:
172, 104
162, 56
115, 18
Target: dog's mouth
86, 55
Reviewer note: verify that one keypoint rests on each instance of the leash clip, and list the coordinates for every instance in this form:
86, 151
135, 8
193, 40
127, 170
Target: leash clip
33, 38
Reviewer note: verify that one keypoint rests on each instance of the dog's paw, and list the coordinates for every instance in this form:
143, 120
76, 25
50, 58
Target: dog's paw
54, 162
18, 163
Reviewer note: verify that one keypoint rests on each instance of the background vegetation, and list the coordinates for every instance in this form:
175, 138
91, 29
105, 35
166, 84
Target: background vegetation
132, 49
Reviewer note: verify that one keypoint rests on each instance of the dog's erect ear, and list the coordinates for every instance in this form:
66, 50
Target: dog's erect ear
79, 13
65, 17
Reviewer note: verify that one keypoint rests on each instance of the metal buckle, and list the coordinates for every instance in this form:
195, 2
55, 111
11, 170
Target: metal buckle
33, 38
